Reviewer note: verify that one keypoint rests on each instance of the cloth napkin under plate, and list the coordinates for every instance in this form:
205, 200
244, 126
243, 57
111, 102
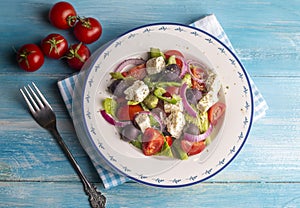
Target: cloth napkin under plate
209, 24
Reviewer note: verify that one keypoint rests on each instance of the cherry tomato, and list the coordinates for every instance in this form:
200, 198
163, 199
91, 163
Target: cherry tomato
215, 112
173, 52
177, 54
87, 30
30, 57
77, 55
138, 72
198, 73
127, 112
152, 141
192, 148
169, 140
54, 46
62, 15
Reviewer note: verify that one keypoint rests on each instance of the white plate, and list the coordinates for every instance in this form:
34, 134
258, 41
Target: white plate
229, 136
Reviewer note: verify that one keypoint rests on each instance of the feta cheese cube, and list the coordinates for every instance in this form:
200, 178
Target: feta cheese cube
155, 65
143, 121
137, 92
213, 85
169, 107
207, 101
175, 123
213, 82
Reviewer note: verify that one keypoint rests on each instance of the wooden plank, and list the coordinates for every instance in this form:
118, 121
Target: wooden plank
254, 48
66, 194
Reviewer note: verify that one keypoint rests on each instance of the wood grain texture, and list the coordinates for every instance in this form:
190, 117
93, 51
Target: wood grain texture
227, 195
266, 35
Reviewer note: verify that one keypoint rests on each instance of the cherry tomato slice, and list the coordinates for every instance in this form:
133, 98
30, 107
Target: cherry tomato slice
87, 30
169, 140
215, 112
173, 52
127, 112
192, 148
152, 141
30, 57
138, 72
54, 46
198, 73
177, 54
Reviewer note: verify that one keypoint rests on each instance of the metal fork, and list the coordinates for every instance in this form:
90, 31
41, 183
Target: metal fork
43, 114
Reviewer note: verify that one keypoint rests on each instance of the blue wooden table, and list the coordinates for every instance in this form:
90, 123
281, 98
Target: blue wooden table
266, 35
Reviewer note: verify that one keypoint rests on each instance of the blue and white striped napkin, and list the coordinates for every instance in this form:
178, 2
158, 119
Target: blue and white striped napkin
209, 24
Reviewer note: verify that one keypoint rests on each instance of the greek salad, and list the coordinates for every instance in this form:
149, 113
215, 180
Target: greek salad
165, 105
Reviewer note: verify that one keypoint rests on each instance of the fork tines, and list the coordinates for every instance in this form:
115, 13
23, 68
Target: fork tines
35, 102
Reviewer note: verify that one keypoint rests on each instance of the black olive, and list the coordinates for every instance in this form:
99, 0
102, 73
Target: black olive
112, 87
117, 87
171, 73
129, 132
193, 95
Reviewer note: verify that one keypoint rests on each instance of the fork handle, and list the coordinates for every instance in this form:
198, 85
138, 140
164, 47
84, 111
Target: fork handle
96, 198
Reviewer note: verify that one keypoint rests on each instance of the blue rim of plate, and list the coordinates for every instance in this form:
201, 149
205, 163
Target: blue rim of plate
235, 153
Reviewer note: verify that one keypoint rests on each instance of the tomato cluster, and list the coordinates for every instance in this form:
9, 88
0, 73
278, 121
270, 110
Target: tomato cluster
62, 15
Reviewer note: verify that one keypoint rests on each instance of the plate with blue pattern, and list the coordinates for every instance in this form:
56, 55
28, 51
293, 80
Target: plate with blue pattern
229, 136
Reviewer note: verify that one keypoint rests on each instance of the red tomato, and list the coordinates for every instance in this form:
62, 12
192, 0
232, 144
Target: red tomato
127, 112
138, 72
62, 15
152, 141
54, 46
169, 140
179, 63
77, 55
215, 112
30, 57
173, 52
87, 30
192, 148
198, 73
177, 54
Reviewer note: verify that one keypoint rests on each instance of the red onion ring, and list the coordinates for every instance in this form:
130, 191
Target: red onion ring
112, 121
198, 138
133, 61
185, 102
184, 66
